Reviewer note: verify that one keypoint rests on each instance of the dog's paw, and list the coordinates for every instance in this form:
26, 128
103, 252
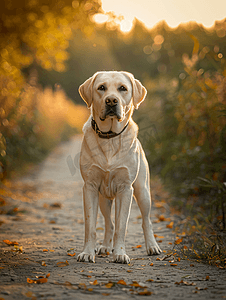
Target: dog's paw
83, 257
153, 249
121, 257
104, 250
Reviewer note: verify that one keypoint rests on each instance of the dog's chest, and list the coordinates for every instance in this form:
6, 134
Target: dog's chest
118, 172
110, 165
114, 181
111, 149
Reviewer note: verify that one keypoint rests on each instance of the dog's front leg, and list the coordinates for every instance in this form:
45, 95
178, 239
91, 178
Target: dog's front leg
123, 202
90, 200
105, 207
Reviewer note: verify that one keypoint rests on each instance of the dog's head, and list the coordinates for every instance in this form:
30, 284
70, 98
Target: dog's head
112, 94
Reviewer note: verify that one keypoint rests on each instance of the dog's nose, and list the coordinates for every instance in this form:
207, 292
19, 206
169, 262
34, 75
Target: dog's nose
111, 101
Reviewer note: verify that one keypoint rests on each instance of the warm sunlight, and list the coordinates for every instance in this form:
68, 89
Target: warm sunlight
100, 18
173, 12
126, 25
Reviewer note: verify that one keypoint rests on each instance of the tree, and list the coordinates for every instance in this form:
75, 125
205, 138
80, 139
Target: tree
33, 32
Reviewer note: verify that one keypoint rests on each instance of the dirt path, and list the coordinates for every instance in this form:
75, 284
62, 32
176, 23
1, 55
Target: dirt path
45, 218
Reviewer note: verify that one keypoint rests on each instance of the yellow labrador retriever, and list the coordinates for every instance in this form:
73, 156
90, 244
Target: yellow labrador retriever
113, 164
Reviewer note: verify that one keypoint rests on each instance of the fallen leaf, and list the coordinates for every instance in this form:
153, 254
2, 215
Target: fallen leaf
10, 243
185, 283
129, 271
151, 264
105, 294
121, 282
62, 264
109, 285
207, 277
178, 241
170, 225
41, 280
150, 280
47, 276
189, 283
30, 280
43, 263
45, 250
139, 246
17, 248
71, 254
95, 282
173, 264
145, 292
161, 218
135, 284
89, 289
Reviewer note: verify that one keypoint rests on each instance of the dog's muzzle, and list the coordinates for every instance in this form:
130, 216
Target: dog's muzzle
111, 108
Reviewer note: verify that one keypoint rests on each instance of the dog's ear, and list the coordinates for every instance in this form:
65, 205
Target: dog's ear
139, 91
86, 90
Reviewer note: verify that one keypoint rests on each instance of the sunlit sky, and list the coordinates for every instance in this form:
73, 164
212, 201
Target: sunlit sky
174, 12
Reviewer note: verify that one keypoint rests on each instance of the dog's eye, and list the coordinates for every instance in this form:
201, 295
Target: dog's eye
101, 88
122, 88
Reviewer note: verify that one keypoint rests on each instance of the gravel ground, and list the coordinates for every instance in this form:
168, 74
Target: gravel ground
44, 215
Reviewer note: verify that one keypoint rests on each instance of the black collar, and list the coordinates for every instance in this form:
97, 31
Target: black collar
105, 135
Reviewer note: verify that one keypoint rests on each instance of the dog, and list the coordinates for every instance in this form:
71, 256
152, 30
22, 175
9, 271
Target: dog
113, 164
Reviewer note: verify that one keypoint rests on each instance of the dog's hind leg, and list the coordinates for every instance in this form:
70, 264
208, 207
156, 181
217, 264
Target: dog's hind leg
105, 207
142, 194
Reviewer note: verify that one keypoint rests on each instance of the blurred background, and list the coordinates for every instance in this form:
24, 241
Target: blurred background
176, 49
